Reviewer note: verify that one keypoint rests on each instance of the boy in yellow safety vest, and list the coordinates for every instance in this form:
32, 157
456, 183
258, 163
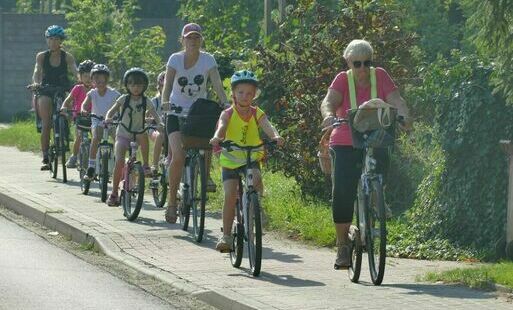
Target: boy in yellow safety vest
240, 123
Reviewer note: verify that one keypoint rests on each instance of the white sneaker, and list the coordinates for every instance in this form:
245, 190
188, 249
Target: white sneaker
225, 244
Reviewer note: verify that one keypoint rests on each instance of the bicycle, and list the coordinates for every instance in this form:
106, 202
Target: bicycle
369, 231
248, 215
132, 190
59, 143
104, 158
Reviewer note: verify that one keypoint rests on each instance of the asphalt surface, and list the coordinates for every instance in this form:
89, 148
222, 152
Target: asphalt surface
37, 275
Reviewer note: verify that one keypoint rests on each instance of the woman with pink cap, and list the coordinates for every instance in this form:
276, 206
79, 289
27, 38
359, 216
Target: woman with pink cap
185, 81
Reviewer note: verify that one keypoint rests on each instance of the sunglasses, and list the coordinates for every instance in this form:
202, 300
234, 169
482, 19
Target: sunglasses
358, 63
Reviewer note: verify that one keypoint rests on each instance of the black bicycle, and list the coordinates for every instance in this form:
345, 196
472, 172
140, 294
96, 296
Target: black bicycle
59, 140
248, 216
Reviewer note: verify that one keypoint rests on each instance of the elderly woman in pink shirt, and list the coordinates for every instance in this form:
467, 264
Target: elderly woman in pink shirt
346, 159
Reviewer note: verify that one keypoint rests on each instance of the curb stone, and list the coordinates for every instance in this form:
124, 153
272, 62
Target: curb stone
52, 219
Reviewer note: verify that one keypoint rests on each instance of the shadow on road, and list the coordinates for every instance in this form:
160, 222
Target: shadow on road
441, 290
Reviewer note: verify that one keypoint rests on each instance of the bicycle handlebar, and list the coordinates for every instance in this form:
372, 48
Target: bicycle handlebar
230, 145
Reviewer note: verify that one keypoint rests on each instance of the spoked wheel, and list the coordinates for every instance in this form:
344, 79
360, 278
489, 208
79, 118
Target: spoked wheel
184, 207
376, 235
159, 187
199, 197
356, 254
53, 159
104, 175
133, 193
84, 162
62, 146
238, 235
254, 234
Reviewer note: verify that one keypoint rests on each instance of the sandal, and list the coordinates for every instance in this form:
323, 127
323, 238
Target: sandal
171, 214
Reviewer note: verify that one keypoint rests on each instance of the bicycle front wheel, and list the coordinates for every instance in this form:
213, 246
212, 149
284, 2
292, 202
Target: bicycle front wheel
376, 233
53, 158
104, 175
356, 247
63, 145
133, 193
253, 225
199, 197
84, 162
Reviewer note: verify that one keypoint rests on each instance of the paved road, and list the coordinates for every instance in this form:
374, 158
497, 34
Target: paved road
294, 276
37, 275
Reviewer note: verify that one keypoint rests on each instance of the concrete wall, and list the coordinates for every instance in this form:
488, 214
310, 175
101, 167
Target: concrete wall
21, 37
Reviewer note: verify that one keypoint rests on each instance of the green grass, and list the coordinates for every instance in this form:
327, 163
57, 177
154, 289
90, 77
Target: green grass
22, 135
477, 277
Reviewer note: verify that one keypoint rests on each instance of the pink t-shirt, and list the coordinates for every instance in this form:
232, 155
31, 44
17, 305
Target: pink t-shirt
78, 93
342, 134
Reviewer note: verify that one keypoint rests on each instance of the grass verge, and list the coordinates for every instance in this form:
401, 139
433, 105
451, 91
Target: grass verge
22, 135
481, 277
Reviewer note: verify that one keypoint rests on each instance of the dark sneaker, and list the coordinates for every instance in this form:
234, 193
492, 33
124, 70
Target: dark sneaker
45, 165
225, 244
343, 261
90, 173
113, 201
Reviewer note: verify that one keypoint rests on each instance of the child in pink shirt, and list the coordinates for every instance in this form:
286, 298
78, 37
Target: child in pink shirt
76, 97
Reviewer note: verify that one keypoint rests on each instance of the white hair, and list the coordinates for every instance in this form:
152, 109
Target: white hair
358, 48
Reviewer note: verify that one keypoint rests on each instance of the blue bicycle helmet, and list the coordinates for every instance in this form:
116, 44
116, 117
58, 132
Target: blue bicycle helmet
86, 66
136, 71
55, 31
100, 68
243, 76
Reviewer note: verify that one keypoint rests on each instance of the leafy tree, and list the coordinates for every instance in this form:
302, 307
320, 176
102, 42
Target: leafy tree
492, 20
101, 31
297, 70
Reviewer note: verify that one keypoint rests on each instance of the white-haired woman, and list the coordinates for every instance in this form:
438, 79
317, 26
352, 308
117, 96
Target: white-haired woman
365, 82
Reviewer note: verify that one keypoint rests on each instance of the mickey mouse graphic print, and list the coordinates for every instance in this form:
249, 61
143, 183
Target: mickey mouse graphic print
189, 84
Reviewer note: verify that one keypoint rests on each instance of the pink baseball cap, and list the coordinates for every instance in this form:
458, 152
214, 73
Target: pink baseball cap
191, 28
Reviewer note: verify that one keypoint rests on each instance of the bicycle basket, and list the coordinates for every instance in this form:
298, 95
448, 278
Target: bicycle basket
377, 136
200, 124
324, 153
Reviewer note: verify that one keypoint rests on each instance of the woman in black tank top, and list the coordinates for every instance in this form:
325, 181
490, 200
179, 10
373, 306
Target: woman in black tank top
52, 67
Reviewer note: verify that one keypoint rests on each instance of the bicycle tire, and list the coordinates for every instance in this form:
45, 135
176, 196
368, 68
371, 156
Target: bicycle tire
356, 248
104, 175
159, 190
184, 207
84, 162
376, 232
131, 203
62, 147
238, 232
199, 197
254, 234
53, 160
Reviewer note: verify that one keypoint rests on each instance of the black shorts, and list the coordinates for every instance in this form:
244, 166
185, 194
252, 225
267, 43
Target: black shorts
172, 124
233, 174
49, 91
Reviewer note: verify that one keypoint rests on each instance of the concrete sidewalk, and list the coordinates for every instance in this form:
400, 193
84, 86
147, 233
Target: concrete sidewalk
294, 276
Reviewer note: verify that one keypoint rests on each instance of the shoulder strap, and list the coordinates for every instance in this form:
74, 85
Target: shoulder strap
125, 106
352, 88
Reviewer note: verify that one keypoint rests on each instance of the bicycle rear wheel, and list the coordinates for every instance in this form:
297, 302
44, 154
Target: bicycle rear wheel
62, 146
159, 187
53, 158
199, 197
253, 224
84, 162
356, 248
133, 193
104, 175
376, 233
238, 232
